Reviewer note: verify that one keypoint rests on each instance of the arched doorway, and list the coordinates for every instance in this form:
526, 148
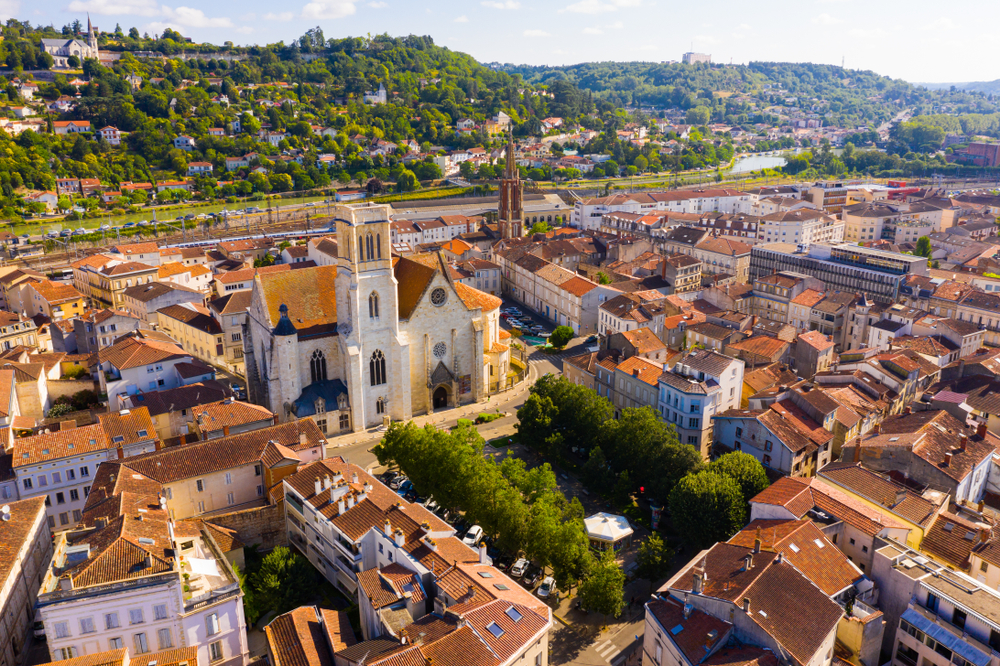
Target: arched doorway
440, 397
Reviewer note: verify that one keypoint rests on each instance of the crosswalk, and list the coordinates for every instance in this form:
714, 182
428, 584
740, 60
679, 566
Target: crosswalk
609, 652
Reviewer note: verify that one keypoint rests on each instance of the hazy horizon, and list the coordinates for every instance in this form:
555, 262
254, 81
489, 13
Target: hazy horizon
917, 45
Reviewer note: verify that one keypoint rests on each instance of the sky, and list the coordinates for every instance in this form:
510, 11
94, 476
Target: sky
916, 41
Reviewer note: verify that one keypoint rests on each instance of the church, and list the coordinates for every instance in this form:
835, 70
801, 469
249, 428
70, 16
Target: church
371, 338
62, 49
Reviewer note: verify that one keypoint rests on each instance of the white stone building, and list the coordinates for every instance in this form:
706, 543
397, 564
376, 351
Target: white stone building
373, 337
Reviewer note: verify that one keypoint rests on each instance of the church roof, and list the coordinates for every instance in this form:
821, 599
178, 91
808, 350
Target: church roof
413, 275
309, 295
330, 390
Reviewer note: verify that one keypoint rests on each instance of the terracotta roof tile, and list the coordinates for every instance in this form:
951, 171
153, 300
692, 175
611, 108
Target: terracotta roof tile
57, 445
309, 294
128, 427
299, 638
132, 352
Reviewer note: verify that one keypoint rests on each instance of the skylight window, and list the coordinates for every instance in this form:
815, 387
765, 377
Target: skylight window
141, 433
894, 439
485, 574
501, 587
145, 541
794, 548
819, 544
513, 614
495, 629
948, 527
45, 452
762, 613
118, 439
678, 629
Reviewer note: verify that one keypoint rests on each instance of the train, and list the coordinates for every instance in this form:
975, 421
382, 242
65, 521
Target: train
280, 235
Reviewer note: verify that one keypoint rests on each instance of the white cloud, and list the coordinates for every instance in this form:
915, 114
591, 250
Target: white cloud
113, 7
535, 33
706, 39
244, 30
249, 17
593, 31
601, 6
826, 19
329, 9
378, 5
189, 17
617, 25
283, 16
502, 4
9, 8
462, 19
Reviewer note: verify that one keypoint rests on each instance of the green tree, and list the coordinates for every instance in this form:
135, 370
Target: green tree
745, 470
924, 248
602, 278
535, 419
653, 559
698, 115
603, 590
707, 508
407, 181
540, 228
561, 336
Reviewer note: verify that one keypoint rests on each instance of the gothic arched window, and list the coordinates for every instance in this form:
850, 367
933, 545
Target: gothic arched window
378, 245
369, 250
373, 305
317, 367
376, 368
380, 406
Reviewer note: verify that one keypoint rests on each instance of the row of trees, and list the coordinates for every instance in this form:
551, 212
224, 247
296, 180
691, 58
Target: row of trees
639, 452
521, 509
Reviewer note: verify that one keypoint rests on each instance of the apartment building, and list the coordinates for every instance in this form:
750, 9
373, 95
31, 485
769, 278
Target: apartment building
393, 556
26, 545
699, 385
840, 267
230, 311
137, 364
100, 328
801, 226
132, 577
146, 300
54, 300
195, 330
587, 213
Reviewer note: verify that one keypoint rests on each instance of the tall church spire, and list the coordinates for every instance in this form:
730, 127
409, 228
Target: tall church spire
510, 210
91, 37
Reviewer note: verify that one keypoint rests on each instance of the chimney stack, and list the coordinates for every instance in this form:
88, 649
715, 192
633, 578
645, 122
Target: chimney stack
387, 528
327, 482
981, 431
225, 431
877, 429
907, 410
748, 562
340, 506
756, 542
984, 535
947, 458
981, 506
696, 583
483, 557
318, 486
354, 477
399, 538
963, 442
746, 605
857, 451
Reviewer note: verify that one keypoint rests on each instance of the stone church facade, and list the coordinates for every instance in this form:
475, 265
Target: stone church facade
372, 337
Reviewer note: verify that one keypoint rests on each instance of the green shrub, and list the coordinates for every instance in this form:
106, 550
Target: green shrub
76, 373
60, 409
486, 417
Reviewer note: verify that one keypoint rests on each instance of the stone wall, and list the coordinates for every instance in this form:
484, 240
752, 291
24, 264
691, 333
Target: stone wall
263, 526
69, 387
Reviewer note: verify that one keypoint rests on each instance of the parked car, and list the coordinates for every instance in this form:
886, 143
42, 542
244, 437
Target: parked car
547, 587
105, 227
518, 568
143, 223
397, 482
128, 225
473, 536
405, 488
503, 562
531, 576
591, 339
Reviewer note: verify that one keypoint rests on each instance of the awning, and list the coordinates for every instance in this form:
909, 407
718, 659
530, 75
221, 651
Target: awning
946, 638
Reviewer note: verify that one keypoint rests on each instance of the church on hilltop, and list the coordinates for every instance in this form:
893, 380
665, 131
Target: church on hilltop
62, 49
372, 337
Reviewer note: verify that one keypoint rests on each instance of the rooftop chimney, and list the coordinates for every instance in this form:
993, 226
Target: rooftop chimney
696, 583
354, 477
756, 542
746, 605
635, 372
857, 451
963, 442
981, 431
399, 538
327, 482
907, 410
748, 562
984, 535
877, 429
387, 528
947, 459
340, 506
225, 431
318, 486
483, 557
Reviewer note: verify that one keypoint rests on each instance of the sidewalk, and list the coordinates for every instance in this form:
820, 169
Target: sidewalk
502, 402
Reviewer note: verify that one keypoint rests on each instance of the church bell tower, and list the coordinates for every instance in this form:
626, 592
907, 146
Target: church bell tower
511, 209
